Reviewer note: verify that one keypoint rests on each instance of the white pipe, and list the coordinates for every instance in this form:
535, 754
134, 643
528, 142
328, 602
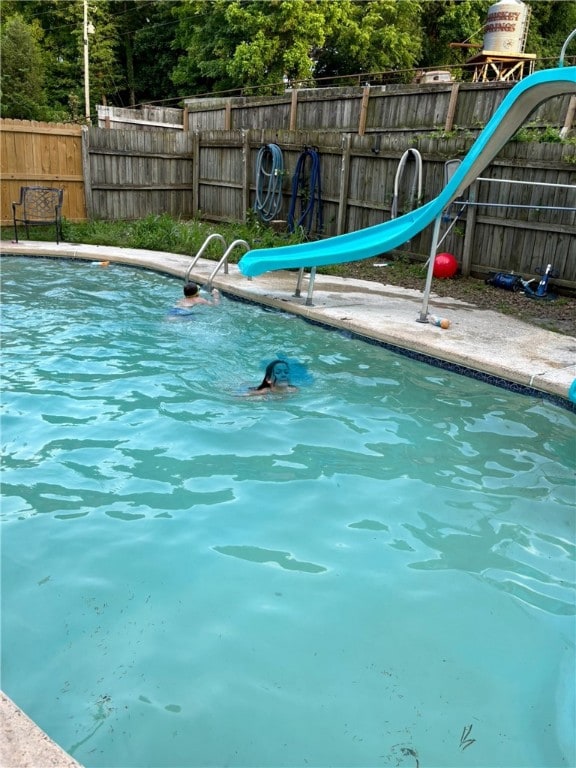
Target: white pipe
417, 178
563, 51
528, 183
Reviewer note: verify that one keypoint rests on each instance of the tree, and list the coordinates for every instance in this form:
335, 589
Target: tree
62, 51
22, 75
163, 50
155, 51
232, 44
446, 22
107, 77
235, 44
62, 54
550, 24
371, 37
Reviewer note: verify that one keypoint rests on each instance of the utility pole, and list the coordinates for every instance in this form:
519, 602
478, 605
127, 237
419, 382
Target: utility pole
88, 29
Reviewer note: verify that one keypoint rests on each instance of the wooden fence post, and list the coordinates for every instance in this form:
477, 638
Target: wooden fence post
569, 119
344, 178
364, 111
245, 174
452, 107
470, 227
195, 173
86, 172
293, 109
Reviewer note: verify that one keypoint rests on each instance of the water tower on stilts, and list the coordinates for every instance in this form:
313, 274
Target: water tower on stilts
502, 57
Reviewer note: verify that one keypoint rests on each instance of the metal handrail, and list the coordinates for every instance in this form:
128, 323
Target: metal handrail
224, 259
205, 244
565, 46
311, 279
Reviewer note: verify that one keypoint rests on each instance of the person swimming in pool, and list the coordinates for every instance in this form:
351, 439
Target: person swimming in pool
192, 298
276, 380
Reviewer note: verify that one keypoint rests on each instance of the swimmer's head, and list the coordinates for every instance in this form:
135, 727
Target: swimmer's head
191, 290
277, 374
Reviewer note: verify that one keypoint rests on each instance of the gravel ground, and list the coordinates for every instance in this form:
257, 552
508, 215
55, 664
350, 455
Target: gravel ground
555, 314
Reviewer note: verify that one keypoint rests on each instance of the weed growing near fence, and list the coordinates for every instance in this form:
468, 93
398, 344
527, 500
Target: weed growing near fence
163, 233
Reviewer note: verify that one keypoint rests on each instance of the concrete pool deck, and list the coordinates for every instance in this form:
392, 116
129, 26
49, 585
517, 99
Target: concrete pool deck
483, 341
24, 745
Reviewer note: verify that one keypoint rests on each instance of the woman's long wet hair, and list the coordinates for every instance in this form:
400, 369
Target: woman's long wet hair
265, 383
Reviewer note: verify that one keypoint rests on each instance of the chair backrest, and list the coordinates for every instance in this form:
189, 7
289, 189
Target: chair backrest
41, 203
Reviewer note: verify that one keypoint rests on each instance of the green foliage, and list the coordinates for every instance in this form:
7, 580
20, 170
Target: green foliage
163, 233
446, 22
550, 24
60, 33
160, 50
106, 75
22, 74
234, 44
61, 54
370, 37
153, 50
543, 135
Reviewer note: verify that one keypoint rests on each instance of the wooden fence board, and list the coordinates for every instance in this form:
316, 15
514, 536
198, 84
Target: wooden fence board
44, 155
134, 173
413, 107
130, 174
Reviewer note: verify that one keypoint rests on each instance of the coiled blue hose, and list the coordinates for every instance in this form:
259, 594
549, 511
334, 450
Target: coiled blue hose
269, 177
306, 189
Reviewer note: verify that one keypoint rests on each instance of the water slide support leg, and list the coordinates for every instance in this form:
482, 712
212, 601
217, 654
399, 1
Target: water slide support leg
423, 317
310, 286
299, 282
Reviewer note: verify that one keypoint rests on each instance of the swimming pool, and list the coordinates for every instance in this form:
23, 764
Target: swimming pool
376, 571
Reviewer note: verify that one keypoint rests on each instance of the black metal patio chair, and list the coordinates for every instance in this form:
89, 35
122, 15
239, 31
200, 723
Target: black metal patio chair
38, 206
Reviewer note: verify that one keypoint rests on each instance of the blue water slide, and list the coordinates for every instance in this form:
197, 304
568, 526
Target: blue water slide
515, 109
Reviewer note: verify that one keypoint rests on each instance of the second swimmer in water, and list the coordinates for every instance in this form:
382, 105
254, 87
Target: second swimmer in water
276, 379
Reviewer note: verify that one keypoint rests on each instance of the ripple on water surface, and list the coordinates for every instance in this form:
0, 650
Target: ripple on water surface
378, 570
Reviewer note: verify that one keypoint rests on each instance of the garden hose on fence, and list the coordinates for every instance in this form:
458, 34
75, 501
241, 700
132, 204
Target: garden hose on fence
269, 177
306, 188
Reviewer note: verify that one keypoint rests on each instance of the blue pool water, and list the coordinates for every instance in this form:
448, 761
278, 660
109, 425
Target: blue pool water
376, 571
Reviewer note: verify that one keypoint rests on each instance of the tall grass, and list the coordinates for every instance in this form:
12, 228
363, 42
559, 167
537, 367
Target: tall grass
163, 233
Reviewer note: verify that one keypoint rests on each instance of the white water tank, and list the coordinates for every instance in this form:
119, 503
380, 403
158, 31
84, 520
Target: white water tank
506, 27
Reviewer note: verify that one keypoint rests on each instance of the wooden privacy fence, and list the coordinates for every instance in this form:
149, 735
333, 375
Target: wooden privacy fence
129, 174
104, 174
408, 108
361, 110
41, 155
212, 175
510, 226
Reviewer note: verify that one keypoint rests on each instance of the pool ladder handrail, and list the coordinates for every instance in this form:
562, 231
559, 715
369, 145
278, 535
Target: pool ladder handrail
205, 244
224, 260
